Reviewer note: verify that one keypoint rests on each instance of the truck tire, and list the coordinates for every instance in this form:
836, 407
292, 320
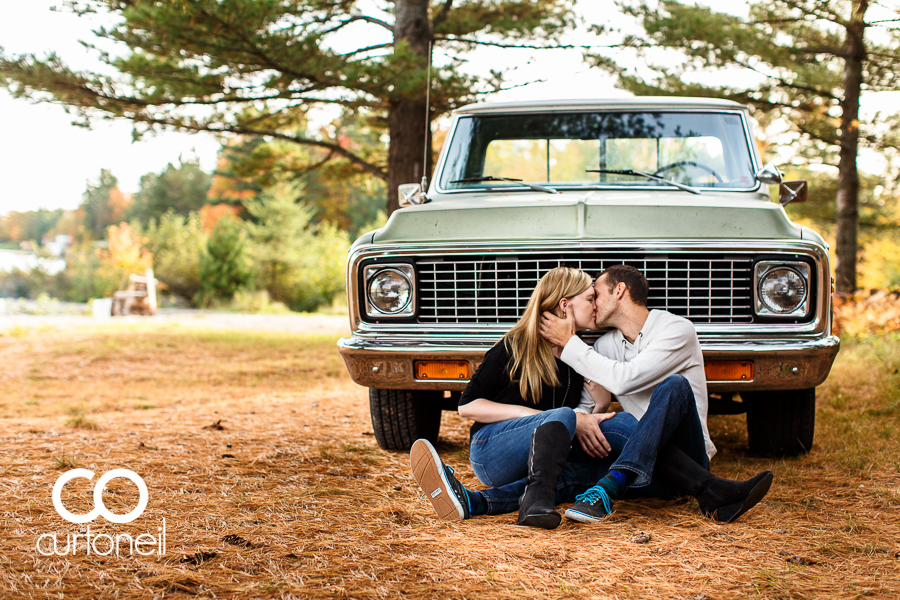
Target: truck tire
781, 423
400, 417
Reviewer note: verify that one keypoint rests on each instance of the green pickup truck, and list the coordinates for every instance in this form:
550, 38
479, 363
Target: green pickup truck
674, 187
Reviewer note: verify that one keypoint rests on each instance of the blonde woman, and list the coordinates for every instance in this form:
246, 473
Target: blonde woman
522, 400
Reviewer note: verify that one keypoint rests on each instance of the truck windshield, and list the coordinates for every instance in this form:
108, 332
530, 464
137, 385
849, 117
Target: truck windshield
698, 149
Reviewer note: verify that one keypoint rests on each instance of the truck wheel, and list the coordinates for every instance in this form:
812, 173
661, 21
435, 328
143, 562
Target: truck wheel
781, 423
400, 417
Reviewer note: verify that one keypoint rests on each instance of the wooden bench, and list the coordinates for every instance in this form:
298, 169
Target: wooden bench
139, 298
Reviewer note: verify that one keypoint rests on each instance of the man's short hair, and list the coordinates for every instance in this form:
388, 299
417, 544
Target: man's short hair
634, 280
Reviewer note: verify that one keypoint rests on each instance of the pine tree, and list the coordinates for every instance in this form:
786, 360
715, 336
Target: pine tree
300, 264
180, 188
815, 59
103, 205
256, 67
225, 267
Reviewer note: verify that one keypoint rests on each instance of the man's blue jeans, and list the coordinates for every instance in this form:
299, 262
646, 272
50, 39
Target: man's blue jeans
499, 457
671, 418
499, 451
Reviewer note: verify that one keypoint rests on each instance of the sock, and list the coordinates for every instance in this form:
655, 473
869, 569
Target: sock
477, 503
623, 478
615, 483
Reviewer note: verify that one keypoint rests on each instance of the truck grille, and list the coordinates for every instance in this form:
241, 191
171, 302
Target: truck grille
489, 289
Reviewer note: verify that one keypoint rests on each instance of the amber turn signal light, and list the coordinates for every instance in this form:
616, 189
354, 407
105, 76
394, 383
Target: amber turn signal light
428, 369
729, 370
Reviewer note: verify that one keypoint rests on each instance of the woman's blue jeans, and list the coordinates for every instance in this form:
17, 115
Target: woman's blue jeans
499, 457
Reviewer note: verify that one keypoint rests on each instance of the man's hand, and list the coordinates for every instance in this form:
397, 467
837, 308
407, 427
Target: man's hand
558, 331
587, 430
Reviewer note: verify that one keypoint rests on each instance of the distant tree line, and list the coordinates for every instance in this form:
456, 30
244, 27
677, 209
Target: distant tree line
240, 234
256, 69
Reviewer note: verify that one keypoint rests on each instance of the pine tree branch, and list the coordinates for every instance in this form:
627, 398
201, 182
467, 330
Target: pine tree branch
367, 48
314, 166
240, 130
768, 104
887, 55
384, 24
354, 19
879, 143
780, 21
499, 88
783, 82
443, 38
441, 16
213, 102
835, 140
336, 101
254, 50
825, 15
830, 50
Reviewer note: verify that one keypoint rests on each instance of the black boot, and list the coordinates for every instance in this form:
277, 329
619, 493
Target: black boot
549, 448
720, 499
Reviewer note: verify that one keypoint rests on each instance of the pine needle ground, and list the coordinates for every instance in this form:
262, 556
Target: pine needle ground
258, 452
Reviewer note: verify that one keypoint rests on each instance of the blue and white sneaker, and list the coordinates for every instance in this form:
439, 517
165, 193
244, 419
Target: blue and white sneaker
447, 494
592, 506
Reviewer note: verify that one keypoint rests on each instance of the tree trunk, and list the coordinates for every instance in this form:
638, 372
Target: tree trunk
848, 174
407, 125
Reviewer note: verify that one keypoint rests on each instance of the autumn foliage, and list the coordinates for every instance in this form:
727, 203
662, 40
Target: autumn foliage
124, 254
211, 214
876, 312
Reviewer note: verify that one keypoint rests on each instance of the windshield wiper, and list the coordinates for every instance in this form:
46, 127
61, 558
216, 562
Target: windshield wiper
634, 173
539, 188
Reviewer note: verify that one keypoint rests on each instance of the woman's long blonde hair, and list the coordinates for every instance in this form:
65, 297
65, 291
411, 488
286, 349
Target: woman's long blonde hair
533, 364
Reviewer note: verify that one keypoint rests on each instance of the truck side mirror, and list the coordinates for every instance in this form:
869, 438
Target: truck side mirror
411, 193
769, 174
795, 190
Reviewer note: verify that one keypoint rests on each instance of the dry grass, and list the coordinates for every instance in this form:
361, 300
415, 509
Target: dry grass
290, 497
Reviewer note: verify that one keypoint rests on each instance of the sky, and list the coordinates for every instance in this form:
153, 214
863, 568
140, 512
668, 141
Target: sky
46, 162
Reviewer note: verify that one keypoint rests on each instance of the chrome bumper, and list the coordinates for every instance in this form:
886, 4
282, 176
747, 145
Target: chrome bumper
778, 365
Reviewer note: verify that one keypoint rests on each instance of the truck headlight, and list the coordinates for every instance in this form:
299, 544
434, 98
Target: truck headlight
782, 289
389, 290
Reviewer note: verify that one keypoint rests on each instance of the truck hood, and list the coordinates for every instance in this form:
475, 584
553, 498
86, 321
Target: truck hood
592, 215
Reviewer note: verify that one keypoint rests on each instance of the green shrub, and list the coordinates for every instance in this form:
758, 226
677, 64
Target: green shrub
85, 276
300, 264
177, 243
82, 279
24, 284
322, 274
250, 301
225, 267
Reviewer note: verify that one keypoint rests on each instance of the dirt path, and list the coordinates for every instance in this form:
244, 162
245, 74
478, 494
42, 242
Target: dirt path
297, 323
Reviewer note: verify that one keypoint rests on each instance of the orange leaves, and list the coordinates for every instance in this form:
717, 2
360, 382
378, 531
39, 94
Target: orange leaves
878, 312
118, 203
226, 185
210, 214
